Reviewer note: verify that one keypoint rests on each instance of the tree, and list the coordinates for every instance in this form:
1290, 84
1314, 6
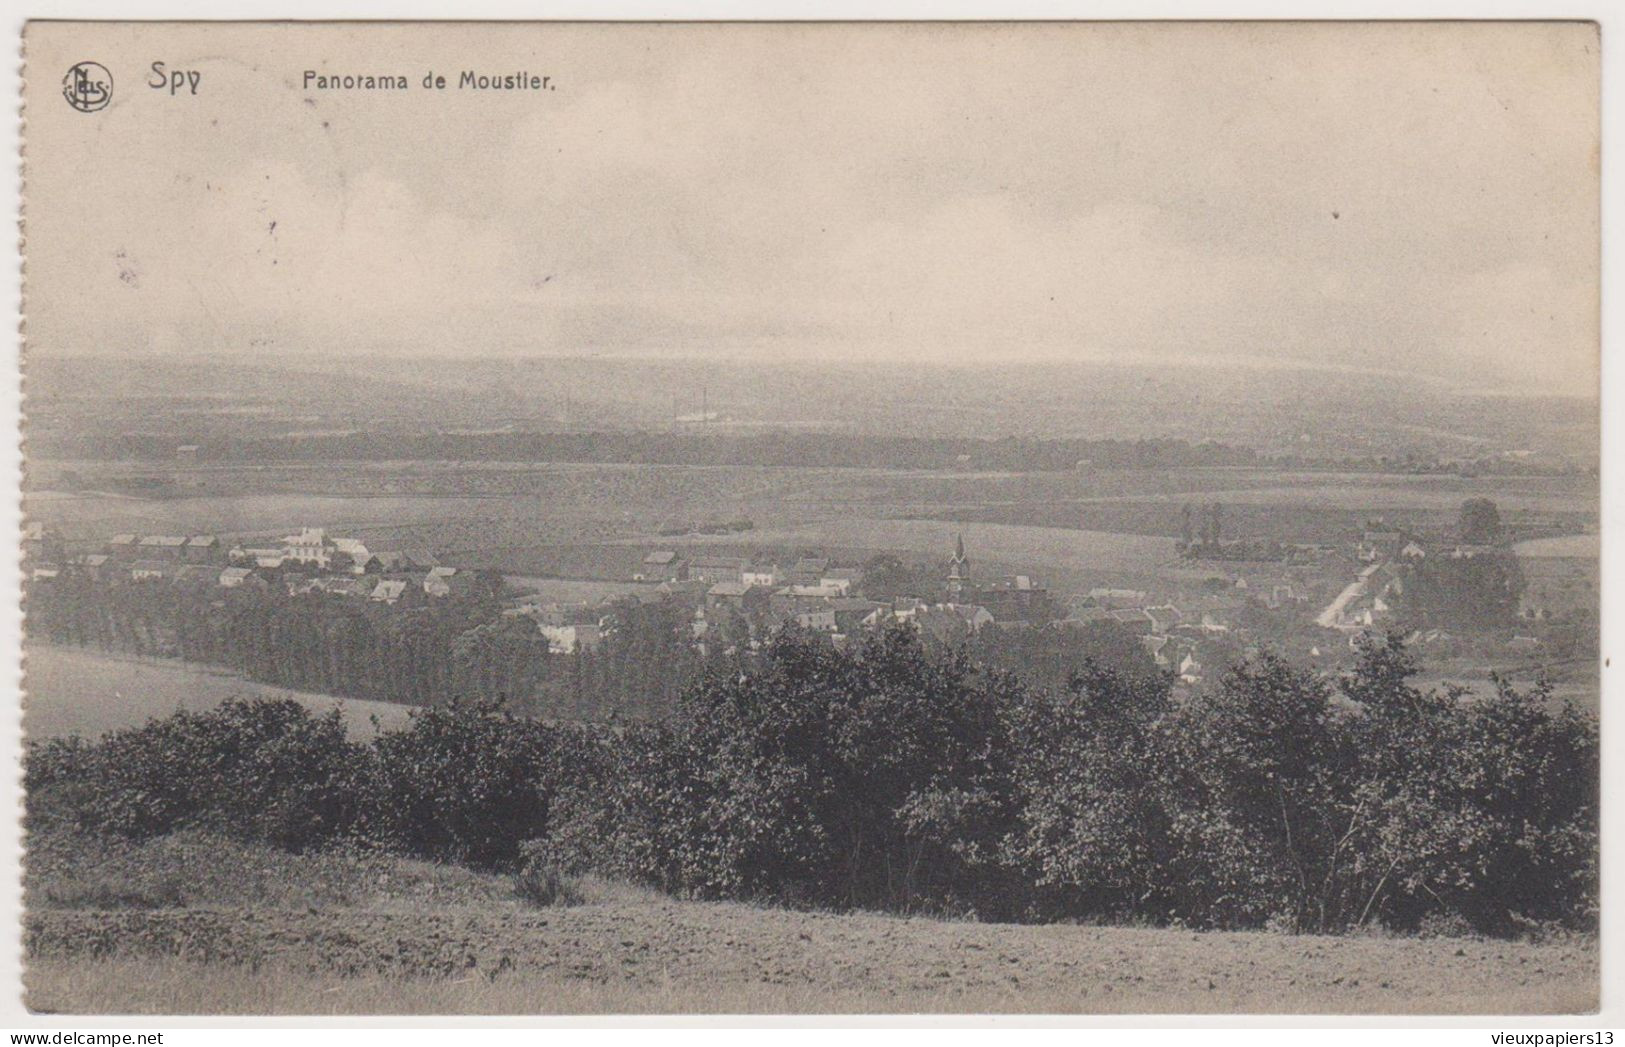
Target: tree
1093, 822
1497, 824
1465, 593
1263, 772
1049, 658
1480, 522
887, 576
870, 779
502, 661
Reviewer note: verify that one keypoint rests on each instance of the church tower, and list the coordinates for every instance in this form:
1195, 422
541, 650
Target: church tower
958, 568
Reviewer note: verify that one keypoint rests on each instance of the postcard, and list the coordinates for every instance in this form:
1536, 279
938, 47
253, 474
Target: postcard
811, 518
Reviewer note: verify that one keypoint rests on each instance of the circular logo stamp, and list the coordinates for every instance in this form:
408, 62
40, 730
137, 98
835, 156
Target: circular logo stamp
88, 86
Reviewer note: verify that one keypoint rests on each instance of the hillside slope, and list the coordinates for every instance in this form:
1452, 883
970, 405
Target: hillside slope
331, 934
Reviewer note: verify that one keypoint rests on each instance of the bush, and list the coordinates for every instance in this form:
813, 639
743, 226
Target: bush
1278, 800
465, 783
875, 779
624, 811
265, 770
1093, 832
542, 882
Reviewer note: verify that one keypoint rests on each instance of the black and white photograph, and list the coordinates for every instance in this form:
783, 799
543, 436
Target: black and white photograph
811, 518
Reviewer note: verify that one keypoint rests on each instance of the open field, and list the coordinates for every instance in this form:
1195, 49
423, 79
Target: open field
1043, 548
586, 522
1575, 682
661, 957
404, 937
76, 691
1574, 546
465, 507
1101, 980
571, 590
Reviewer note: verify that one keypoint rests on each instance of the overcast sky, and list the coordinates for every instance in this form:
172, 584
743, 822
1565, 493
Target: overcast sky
1392, 197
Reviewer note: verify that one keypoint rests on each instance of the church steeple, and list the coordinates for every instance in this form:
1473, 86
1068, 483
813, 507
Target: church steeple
959, 566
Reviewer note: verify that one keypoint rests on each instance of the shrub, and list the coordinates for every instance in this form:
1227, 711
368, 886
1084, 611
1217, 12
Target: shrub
1093, 832
1263, 767
627, 809
465, 783
267, 770
542, 882
805, 776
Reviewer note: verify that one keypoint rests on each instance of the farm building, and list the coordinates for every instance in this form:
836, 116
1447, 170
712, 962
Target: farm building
661, 566
162, 546
716, 569
201, 548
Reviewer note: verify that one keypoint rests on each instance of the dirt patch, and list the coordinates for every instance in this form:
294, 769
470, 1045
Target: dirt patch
699, 956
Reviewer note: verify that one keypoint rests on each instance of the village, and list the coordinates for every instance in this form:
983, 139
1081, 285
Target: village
1220, 597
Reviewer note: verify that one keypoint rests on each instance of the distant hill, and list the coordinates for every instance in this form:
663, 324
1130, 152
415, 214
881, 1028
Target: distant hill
1269, 410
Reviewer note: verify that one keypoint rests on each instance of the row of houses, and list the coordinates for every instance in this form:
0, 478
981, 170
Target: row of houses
436, 582
1173, 631
164, 548
810, 572
1391, 544
310, 548
309, 561
730, 613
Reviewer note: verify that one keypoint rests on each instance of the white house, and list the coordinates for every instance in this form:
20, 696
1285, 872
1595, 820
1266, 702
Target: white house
310, 545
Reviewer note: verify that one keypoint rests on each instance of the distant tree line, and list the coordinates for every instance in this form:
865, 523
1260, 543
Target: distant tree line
456, 647
774, 448
895, 779
464, 647
453, 648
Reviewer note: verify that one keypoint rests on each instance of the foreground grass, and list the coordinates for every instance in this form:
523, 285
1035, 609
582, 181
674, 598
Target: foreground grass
180, 987
193, 924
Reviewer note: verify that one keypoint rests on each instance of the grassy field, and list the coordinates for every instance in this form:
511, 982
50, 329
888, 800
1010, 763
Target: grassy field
1040, 550
71, 690
340, 934
177, 987
469, 509
1073, 530
569, 590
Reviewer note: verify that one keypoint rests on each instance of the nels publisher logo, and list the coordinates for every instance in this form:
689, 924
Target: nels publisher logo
88, 87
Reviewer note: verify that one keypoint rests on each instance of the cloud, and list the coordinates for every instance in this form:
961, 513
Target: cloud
1382, 196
